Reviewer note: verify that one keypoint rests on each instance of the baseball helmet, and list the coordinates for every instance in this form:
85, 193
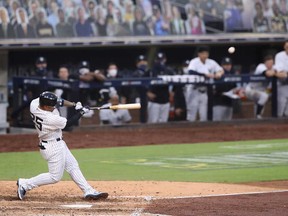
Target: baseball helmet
48, 99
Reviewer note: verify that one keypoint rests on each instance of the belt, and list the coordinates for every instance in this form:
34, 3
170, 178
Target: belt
202, 91
44, 141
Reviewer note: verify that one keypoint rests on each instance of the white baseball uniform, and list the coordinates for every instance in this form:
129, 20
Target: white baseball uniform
115, 117
54, 150
256, 91
196, 94
281, 64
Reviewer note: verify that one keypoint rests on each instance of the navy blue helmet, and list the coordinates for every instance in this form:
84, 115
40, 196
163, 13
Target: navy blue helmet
48, 99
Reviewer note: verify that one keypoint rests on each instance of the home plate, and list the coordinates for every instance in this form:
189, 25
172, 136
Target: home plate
77, 206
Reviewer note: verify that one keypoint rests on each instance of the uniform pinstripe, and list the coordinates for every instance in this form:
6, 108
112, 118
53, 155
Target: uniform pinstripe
281, 64
196, 95
49, 126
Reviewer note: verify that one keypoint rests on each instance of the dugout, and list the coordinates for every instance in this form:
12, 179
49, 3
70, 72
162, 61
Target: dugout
18, 59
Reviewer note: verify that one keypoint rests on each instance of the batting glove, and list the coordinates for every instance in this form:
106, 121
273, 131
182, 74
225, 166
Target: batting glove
78, 106
85, 110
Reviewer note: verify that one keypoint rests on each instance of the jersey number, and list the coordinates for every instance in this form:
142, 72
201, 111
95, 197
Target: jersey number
37, 121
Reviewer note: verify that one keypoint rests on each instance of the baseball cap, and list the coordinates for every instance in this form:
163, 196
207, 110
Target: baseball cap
186, 62
84, 64
226, 60
40, 60
161, 56
141, 58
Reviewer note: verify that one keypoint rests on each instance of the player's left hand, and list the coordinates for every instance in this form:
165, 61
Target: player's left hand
78, 106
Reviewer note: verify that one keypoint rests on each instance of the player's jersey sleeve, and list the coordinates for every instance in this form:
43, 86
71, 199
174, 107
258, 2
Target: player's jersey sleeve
193, 65
55, 121
215, 67
104, 115
126, 116
281, 63
34, 105
260, 69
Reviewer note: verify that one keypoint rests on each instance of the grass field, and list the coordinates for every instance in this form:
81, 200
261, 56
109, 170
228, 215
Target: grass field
230, 162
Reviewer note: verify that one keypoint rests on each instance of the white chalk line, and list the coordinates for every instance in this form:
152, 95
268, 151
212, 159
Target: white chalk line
148, 198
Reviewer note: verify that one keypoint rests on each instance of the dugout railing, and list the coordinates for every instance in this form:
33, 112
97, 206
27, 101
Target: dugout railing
23, 86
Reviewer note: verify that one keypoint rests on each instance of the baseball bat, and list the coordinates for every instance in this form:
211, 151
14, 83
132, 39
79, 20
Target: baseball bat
119, 106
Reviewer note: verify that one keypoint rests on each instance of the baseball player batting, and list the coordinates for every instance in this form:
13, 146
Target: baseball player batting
49, 125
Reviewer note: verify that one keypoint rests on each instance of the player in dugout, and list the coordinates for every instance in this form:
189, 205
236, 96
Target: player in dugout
114, 117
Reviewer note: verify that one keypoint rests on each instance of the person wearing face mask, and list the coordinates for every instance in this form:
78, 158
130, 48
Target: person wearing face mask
123, 92
41, 68
112, 71
222, 104
32, 91
158, 95
41, 71
179, 113
85, 76
142, 69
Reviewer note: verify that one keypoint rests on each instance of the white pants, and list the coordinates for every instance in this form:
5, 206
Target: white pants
282, 100
158, 112
196, 102
222, 113
59, 158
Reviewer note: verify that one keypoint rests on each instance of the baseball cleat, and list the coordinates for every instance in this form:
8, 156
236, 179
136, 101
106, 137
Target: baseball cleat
96, 196
20, 191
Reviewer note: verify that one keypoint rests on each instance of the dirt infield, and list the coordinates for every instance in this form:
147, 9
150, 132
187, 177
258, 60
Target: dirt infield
151, 198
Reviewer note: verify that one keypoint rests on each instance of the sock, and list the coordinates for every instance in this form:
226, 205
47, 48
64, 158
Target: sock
259, 109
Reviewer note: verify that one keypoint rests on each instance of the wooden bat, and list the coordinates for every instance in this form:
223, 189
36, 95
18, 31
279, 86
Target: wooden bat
119, 106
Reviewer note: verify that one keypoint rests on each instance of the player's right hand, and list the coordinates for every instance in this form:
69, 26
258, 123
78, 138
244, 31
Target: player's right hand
78, 106
85, 110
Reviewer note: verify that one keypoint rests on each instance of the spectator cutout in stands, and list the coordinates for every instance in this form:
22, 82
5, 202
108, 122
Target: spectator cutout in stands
23, 29
6, 28
43, 28
63, 28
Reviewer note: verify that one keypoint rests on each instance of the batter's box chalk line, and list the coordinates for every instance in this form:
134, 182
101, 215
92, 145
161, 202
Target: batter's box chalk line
149, 198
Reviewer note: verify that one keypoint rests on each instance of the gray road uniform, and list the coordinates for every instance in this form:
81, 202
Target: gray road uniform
281, 64
196, 94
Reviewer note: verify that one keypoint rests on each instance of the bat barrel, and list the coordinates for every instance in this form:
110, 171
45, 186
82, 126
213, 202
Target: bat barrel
119, 106
126, 106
